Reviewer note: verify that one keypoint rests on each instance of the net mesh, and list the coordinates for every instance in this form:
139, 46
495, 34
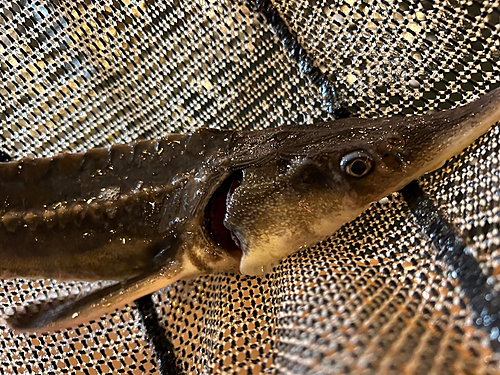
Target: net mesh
372, 298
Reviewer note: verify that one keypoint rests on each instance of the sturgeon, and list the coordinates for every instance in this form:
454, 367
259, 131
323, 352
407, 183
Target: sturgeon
151, 213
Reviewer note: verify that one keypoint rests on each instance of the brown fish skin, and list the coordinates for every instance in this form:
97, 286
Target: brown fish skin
104, 214
173, 206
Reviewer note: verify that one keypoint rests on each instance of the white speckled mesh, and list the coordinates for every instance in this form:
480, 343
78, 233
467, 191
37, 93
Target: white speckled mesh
372, 298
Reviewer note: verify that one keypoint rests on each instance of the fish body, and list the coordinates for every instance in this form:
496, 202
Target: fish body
149, 214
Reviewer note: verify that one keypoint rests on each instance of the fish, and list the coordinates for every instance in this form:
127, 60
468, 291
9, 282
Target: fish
148, 214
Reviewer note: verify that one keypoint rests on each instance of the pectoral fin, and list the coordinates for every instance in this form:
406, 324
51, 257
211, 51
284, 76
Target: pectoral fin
56, 315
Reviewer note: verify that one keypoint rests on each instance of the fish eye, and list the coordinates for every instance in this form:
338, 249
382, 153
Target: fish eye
356, 164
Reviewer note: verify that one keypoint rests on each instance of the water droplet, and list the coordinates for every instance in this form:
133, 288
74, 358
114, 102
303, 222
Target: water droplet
414, 84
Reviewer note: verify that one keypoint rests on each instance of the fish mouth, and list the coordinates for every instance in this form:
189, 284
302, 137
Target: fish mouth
215, 213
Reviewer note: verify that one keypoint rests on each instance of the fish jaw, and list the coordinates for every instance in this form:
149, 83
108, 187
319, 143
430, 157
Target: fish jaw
268, 250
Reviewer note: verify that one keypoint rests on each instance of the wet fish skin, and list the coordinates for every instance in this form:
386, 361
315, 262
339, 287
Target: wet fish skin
138, 214
105, 214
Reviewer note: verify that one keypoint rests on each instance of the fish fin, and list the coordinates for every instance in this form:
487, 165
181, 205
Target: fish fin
60, 314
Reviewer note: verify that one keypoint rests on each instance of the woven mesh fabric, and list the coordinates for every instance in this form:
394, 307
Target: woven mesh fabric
372, 298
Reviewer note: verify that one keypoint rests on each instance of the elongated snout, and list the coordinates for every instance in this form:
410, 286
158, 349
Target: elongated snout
433, 139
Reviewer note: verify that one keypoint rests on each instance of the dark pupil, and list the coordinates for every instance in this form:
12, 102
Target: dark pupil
358, 167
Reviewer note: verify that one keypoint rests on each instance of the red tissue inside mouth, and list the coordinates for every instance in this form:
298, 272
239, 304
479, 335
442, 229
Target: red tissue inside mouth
216, 211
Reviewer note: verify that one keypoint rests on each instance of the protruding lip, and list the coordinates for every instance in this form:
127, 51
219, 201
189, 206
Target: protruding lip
215, 213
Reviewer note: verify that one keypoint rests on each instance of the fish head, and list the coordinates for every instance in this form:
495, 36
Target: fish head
323, 176
320, 178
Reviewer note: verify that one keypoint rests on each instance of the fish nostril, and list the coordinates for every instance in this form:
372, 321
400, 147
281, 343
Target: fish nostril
392, 161
283, 166
395, 142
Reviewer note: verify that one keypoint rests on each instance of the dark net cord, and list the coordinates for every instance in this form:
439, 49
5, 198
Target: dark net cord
4, 156
451, 247
297, 53
164, 349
